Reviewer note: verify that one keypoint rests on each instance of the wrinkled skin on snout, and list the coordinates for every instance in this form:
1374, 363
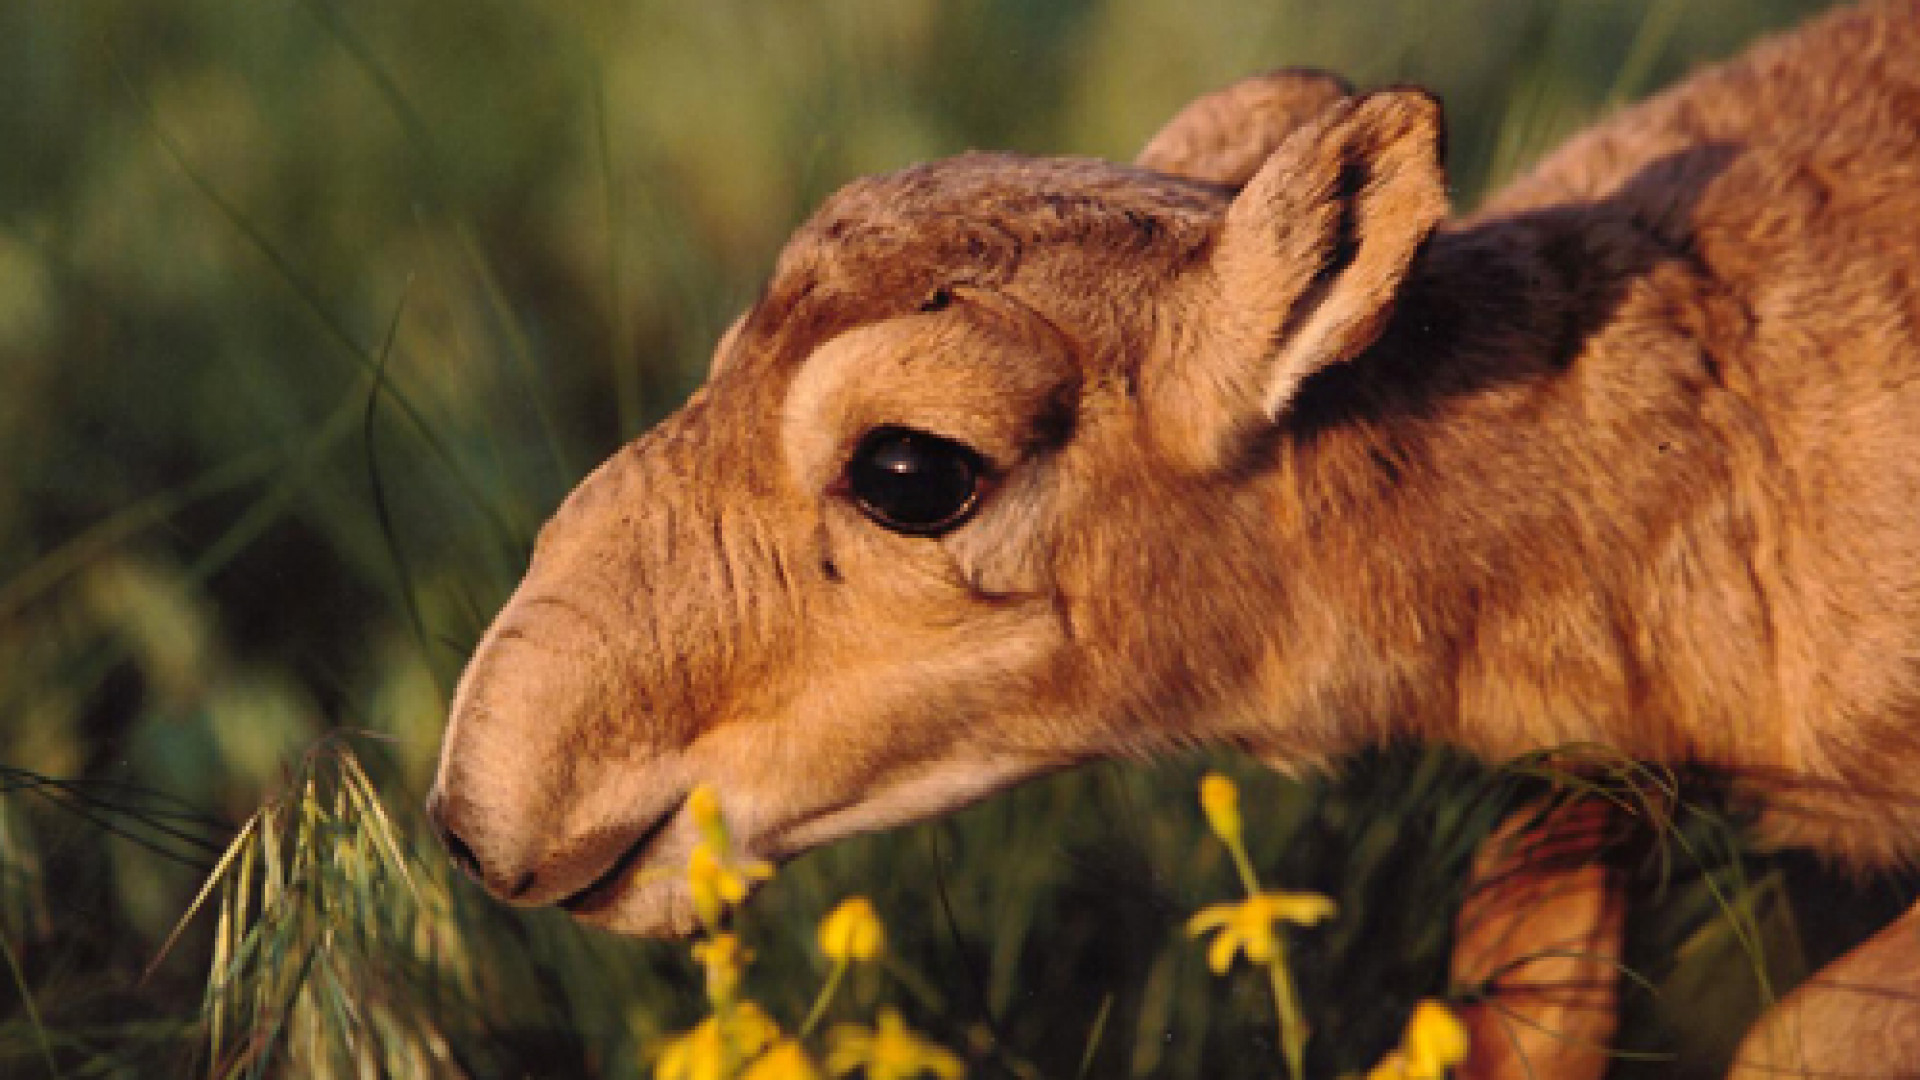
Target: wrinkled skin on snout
1066, 363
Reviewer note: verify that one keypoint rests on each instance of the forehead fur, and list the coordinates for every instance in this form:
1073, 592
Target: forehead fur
885, 245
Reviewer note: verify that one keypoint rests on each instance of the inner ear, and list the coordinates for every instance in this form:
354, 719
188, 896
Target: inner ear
1224, 137
1309, 263
1346, 205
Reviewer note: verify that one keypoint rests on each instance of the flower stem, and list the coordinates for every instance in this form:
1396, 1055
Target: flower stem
819, 1009
1242, 863
1293, 1027
723, 1012
1286, 1002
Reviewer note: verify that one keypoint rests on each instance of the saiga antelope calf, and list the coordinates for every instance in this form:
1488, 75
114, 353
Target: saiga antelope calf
1019, 463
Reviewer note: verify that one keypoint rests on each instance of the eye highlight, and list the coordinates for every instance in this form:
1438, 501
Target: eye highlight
914, 482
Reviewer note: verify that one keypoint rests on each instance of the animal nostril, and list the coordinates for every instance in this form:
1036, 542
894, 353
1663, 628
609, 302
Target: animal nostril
462, 855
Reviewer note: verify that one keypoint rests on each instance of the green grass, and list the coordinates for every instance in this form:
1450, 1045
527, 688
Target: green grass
311, 311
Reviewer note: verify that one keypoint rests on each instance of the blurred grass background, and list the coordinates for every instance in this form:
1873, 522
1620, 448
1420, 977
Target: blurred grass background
310, 311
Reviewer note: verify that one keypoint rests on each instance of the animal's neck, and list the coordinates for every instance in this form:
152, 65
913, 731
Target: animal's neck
1465, 574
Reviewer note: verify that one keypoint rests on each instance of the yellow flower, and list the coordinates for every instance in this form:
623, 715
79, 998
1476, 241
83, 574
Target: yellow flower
709, 1051
788, 1060
889, 1051
718, 885
724, 958
1435, 1041
1391, 1067
704, 805
1247, 926
853, 931
699, 1054
1221, 802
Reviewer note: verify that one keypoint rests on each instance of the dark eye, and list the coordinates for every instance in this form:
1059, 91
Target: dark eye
913, 482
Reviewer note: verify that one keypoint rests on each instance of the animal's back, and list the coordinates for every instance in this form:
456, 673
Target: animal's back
1781, 195
1840, 93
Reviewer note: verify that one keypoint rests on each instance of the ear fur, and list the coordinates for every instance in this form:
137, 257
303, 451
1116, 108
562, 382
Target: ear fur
1310, 260
1224, 137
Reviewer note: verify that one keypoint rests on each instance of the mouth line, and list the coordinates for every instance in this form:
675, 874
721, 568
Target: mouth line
601, 890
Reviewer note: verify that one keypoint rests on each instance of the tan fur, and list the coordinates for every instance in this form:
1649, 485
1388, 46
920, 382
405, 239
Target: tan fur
1629, 457
1538, 945
1856, 1018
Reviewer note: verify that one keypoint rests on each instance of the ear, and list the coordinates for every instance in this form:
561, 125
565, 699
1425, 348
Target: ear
1309, 261
1224, 137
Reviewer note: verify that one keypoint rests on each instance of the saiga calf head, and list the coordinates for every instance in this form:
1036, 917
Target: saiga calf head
979, 489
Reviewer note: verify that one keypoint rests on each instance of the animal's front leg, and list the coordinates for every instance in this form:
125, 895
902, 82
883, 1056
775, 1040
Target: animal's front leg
1857, 1017
1540, 939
